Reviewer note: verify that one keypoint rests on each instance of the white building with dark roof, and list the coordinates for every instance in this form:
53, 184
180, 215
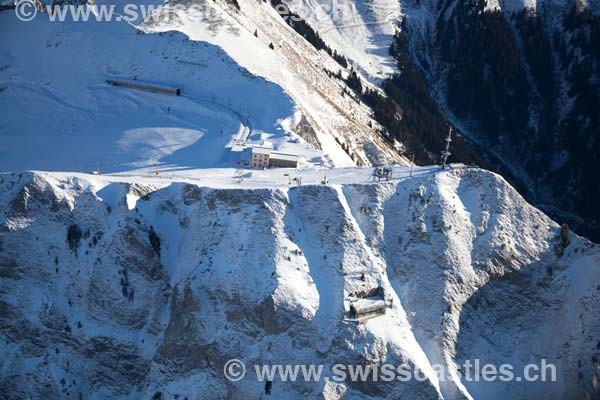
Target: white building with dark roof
265, 157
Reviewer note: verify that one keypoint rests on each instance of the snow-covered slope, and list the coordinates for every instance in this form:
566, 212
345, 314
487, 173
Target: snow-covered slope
360, 30
304, 73
59, 114
122, 290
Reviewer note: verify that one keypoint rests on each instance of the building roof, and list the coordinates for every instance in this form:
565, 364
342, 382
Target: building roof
261, 150
237, 148
283, 156
363, 306
139, 83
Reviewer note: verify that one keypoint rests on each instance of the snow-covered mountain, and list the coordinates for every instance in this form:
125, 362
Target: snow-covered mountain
128, 287
142, 283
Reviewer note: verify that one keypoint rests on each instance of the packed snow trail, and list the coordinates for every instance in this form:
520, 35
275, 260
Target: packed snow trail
246, 127
269, 178
244, 121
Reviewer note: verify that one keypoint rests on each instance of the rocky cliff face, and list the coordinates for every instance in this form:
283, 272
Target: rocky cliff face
119, 290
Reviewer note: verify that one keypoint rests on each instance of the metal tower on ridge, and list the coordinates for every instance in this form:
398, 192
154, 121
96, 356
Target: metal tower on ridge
446, 152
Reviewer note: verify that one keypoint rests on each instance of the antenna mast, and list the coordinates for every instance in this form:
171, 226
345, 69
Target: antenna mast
446, 152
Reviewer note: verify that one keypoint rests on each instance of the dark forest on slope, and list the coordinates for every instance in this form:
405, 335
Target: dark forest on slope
525, 89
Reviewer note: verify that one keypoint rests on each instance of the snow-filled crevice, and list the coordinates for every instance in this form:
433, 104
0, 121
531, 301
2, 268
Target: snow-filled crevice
317, 231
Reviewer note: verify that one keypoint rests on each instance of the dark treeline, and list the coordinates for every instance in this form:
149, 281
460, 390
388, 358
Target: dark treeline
506, 76
503, 80
409, 112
